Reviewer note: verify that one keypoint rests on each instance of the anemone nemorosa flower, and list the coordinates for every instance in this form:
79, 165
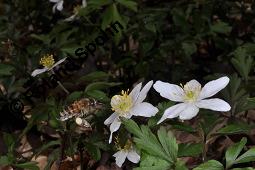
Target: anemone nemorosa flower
126, 105
76, 11
48, 63
127, 152
58, 5
192, 97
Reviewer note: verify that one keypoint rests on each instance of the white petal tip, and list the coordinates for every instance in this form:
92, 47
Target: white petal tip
160, 121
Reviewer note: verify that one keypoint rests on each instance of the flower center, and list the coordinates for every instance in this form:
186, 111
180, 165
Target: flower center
47, 61
121, 104
76, 9
128, 146
191, 92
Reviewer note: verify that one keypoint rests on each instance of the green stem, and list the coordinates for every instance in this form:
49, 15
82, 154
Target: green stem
81, 158
61, 85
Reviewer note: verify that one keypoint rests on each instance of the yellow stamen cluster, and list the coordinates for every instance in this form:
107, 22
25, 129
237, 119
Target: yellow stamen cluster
47, 61
76, 9
126, 147
191, 93
121, 104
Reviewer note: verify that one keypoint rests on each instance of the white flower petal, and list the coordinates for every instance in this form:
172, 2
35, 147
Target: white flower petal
189, 112
60, 5
133, 156
38, 71
55, 1
84, 3
169, 91
173, 111
110, 119
114, 127
57, 63
120, 157
144, 109
134, 94
143, 92
71, 18
192, 85
213, 87
127, 115
54, 8
214, 104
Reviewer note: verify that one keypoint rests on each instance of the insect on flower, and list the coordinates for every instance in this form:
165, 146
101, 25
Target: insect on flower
48, 62
81, 109
192, 97
128, 151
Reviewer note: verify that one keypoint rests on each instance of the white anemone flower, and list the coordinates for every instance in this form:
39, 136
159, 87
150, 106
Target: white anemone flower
48, 63
127, 152
58, 5
76, 11
126, 105
192, 97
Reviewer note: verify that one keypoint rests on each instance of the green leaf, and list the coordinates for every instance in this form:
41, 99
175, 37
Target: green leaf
111, 15
179, 18
182, 126
247, 168
248, 156
180, 165
189, 48
4, 160
100, 86
210, 165
221, 27
8, 139
151, 27
165, 148
44, 38
74, 96
99, 3
149, 143
233, 151
54, 155
235, 129
132, 127
98, 95
152, 163
94, 151
28, 165
94, 76
242, 62
129, 4
189, 149
48, 145
169, 144
6, 69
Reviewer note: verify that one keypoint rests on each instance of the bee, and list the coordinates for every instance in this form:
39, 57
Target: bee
81, 109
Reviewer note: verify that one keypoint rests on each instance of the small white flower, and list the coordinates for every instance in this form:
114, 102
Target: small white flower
48, 62
76, 11
127, 105
58, 5
192, 97
127, 152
